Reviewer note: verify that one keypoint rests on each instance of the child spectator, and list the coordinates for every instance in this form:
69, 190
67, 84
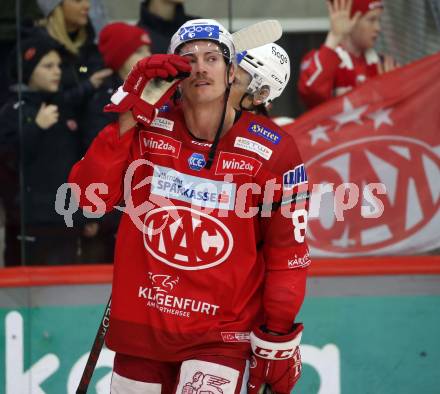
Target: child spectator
50, 145
347, 57
121, 45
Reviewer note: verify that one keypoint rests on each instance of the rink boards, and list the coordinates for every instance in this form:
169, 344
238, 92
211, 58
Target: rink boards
363, 333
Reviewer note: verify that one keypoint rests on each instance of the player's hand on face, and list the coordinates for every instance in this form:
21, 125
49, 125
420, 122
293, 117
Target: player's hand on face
143, 92
47, 116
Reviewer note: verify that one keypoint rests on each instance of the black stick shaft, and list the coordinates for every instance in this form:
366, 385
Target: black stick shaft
95, 351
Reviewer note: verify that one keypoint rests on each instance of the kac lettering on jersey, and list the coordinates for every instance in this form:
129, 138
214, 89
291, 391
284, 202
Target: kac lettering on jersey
264, 132
159, 144
253, 146
299, 262
199, 32
186, 238
162, 123
294, 177
234, 163
197, 161
202, 192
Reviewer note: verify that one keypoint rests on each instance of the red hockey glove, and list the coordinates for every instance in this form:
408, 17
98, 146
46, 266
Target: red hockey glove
276, 361
150, 84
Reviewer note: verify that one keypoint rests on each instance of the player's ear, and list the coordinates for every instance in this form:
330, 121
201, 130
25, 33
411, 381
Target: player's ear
231, 75
261, 96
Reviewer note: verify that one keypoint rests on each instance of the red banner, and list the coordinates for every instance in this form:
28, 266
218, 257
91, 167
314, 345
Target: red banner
373, 163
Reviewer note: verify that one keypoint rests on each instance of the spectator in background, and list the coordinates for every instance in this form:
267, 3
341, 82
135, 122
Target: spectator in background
68, 23
50, 141
121, 46
347, 58
161, 19
29, 12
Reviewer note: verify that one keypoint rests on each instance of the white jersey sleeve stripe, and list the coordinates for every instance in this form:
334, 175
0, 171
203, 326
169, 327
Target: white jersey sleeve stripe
317, 72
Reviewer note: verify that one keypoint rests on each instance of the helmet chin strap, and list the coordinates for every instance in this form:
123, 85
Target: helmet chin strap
213, 149
241, 103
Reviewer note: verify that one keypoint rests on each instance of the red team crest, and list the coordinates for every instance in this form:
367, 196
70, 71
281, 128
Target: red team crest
370, 137
191, 240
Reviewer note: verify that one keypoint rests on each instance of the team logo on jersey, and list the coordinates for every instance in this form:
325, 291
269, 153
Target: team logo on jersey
234, 163
294, 177
201, 192
163, 123
199, 32
189, 240
159, 144
253, 146
196, 161
264, 132
163, 283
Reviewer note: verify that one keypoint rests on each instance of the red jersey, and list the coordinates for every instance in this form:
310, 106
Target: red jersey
202, 255
326, 73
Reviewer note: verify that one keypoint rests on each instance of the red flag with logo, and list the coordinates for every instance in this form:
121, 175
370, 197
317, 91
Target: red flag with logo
373, 158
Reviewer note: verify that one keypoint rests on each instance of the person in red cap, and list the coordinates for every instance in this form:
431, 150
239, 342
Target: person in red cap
121, 46
347, 58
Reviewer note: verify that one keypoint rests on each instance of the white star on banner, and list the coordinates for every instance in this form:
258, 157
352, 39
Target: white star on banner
349, 114
319, 133
381, 116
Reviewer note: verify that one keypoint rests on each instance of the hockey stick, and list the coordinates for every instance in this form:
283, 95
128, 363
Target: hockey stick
265, 389
256, 35
94, 352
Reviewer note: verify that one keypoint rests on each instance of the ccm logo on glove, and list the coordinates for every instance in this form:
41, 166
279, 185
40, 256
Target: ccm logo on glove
274, 354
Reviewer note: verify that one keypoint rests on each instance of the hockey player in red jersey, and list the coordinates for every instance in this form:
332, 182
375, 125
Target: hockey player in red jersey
347, 58
211, 259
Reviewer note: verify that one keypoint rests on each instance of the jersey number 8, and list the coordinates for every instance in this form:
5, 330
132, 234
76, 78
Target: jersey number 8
299, 220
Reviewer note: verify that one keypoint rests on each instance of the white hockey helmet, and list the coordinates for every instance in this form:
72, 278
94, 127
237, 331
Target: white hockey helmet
204, 29
268, 65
